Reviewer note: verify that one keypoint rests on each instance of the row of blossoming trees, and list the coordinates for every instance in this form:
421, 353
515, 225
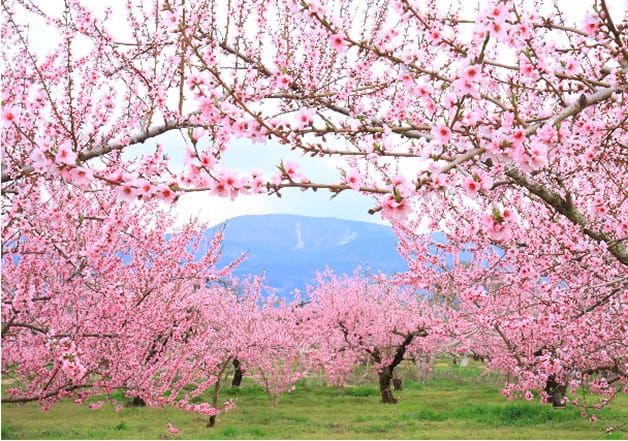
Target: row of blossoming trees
502, 125
115, 298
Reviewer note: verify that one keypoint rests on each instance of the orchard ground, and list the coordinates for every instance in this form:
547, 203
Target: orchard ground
457, 402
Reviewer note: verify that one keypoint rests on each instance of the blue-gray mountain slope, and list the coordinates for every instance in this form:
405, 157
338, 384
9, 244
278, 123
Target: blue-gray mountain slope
290, 249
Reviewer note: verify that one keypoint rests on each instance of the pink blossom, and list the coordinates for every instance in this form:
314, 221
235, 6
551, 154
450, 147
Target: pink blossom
518, 137
82, 176
65, 154
423, 90
497, 29
474, 294
537, 158
498, 13
464, 87
354, 179
591, 24
171, 429
430, 105
509, 215
441, 133
305, 118
198, 133
396, 209
8, 115
144, 187
195, 80
164, 193
407, 79
226, 184
291, 170
440, 180
229, 405
524, 30
283, 81
204, 409
450, 100
256, 182
207, 107
495, 226
471, 118
471, 73
571, 67
338, 42
485, 180
13, 391
433, 36
525, 67
127, 193
398, 180
71, 365
471, 186
207, 160
96, 405
116, 177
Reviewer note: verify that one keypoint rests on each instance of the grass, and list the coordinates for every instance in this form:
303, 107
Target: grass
456, 403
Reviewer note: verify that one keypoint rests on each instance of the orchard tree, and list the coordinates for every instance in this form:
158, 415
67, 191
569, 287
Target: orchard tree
281, 346
549, 337
100, 295
256, 335
221, 336
550, 329
353, 319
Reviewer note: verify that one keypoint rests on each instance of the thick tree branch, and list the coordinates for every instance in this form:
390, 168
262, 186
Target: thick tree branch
565, 206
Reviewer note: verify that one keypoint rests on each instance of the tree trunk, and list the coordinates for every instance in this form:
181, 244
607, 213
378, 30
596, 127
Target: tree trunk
397, 384
385, 378
138, 402
211, 421
239, 373
556, 392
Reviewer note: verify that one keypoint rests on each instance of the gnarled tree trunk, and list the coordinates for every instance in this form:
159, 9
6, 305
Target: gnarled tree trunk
397, 383
238, 374
138, 402
385, 379
556, 392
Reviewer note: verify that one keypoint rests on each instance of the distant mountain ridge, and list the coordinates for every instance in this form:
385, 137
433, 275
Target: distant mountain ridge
290, 248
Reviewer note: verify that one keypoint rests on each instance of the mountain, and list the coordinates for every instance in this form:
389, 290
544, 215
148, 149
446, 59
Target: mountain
290, 249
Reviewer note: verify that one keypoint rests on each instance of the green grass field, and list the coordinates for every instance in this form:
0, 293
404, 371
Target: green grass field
456, 403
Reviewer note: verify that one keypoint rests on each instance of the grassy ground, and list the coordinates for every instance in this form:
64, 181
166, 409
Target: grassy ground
456, 403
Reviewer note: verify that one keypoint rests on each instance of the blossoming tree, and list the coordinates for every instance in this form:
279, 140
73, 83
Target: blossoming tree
99, 295
352, 319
